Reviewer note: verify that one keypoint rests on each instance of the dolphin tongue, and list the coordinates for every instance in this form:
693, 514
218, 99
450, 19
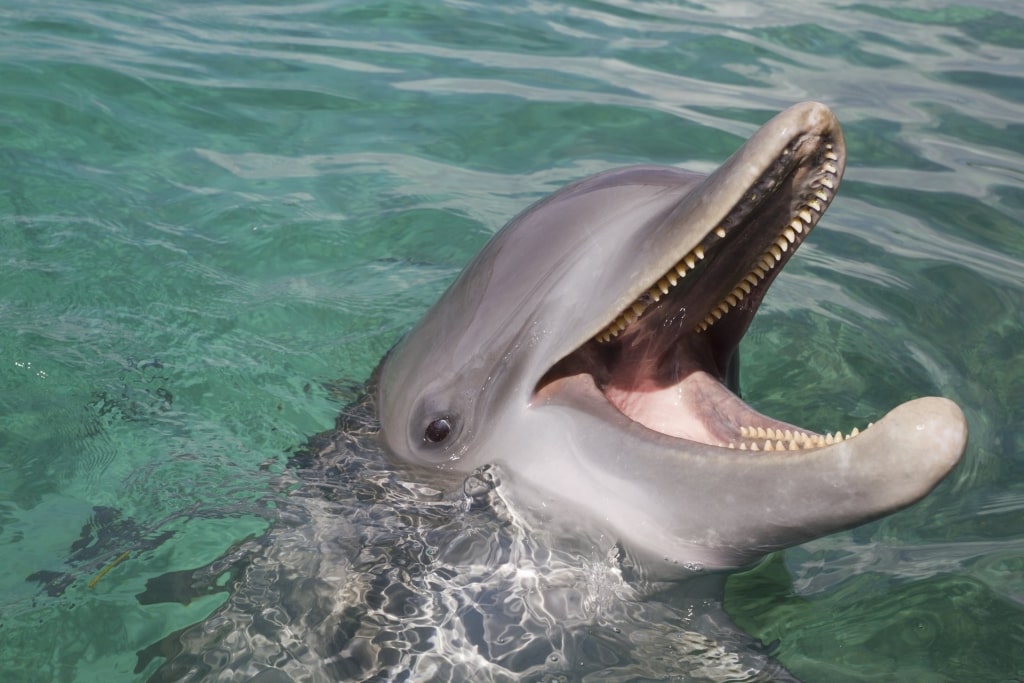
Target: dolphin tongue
679, 391
698, 407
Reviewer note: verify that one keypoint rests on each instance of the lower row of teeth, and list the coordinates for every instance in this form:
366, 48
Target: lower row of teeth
768, 439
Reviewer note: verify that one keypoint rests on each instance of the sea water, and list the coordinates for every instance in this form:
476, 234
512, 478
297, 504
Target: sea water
215, 217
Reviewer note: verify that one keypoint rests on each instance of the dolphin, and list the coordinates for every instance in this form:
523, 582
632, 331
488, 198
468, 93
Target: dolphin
590, 349
550, 475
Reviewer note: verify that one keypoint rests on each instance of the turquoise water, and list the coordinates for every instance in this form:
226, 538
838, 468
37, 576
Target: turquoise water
210, 213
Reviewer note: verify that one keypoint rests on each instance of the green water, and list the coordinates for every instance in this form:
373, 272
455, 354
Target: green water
211, 212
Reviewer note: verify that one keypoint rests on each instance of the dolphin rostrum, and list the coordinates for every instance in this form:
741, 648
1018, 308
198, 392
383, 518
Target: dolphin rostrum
589, 347
545, 477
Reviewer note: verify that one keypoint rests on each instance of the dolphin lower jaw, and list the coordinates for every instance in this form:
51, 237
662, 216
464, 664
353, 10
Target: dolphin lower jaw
680, 507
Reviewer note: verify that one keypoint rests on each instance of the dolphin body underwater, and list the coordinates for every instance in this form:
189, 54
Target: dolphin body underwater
548, 478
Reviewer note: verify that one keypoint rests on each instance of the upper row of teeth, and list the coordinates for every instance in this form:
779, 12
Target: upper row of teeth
789, 235
796, 227
658, 290
786, 440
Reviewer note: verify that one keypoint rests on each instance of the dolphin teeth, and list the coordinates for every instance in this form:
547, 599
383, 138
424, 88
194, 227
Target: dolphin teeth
773, 439
822, 188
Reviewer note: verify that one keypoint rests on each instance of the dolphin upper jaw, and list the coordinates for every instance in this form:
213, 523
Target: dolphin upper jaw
666, 358
589, 350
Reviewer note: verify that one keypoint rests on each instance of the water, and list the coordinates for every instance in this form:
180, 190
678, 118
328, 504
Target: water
212, 212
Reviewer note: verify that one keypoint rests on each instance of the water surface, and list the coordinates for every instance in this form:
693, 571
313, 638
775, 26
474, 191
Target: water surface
210, 213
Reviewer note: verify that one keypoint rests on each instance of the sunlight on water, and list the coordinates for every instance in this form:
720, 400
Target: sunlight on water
215, 218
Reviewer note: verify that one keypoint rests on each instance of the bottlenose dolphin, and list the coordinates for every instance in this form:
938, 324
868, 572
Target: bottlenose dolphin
589, 346
547, 476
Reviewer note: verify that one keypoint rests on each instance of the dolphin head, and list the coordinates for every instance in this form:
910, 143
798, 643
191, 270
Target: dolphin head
589, 351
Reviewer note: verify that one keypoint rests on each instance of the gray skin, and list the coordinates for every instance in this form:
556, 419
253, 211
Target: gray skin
628, 438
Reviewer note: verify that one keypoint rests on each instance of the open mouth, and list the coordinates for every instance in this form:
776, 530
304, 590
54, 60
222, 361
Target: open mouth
668, 359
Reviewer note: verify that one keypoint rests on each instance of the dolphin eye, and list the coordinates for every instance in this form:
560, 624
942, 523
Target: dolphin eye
438, 430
